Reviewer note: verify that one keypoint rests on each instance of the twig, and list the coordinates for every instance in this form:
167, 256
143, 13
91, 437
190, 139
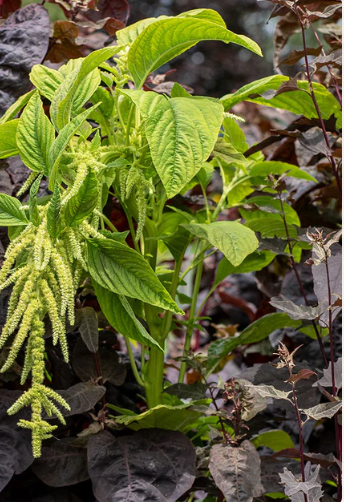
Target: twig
334, 391
311, 90
299, 422
302, 289
224, 433
334, 81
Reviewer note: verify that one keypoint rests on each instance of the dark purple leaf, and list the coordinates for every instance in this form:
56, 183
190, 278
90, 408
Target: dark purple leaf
8, 6
320, 285
295, 56
326, 380
15, 454
24, 39
314, 142
62, 464
295, 489
118, 9
265, 374
333, 59
87, 322
236, 471
82, 397
302, 375
285, 28
59, 495
84, 364
295, 311
150, 466
194, 391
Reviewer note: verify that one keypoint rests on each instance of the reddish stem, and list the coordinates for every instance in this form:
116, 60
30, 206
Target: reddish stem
299, 422
302, 289
311, 90
334, 390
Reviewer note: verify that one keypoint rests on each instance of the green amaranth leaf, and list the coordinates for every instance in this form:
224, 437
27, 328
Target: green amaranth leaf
130, 33
84, 92
80, 206
124, 271
8, 144
268, 207
61, 142
253, 262
233, 239
257, 331
11, 215
174, 418
73, 85
46, 80
12, 111
181, 133
298, 102
165, 39
121, 316
273, 167
275, 440
35, 136
271, 227
54, 222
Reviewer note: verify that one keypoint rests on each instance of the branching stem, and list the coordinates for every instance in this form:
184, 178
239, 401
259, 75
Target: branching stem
298, 278
311, 90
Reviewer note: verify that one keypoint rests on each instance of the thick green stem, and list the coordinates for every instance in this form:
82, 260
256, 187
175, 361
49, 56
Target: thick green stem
190, 328
154, 373
166, 325
154, 378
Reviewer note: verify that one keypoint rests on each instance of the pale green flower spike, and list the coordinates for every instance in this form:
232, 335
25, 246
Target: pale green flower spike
26, 185
39, 396
45, 273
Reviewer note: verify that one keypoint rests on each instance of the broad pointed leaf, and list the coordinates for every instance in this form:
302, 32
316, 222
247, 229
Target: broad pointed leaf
121, 316
35, 136
174, 418
326, 380
11, 214
165, 39
46, 80
12, 111
181, 133
257, 331
124, 271
71, 88
148, 466
233, 239
298, 102
87, 321
236, 471
273, 167
253, 262
8, 144
275, 440
324, 410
